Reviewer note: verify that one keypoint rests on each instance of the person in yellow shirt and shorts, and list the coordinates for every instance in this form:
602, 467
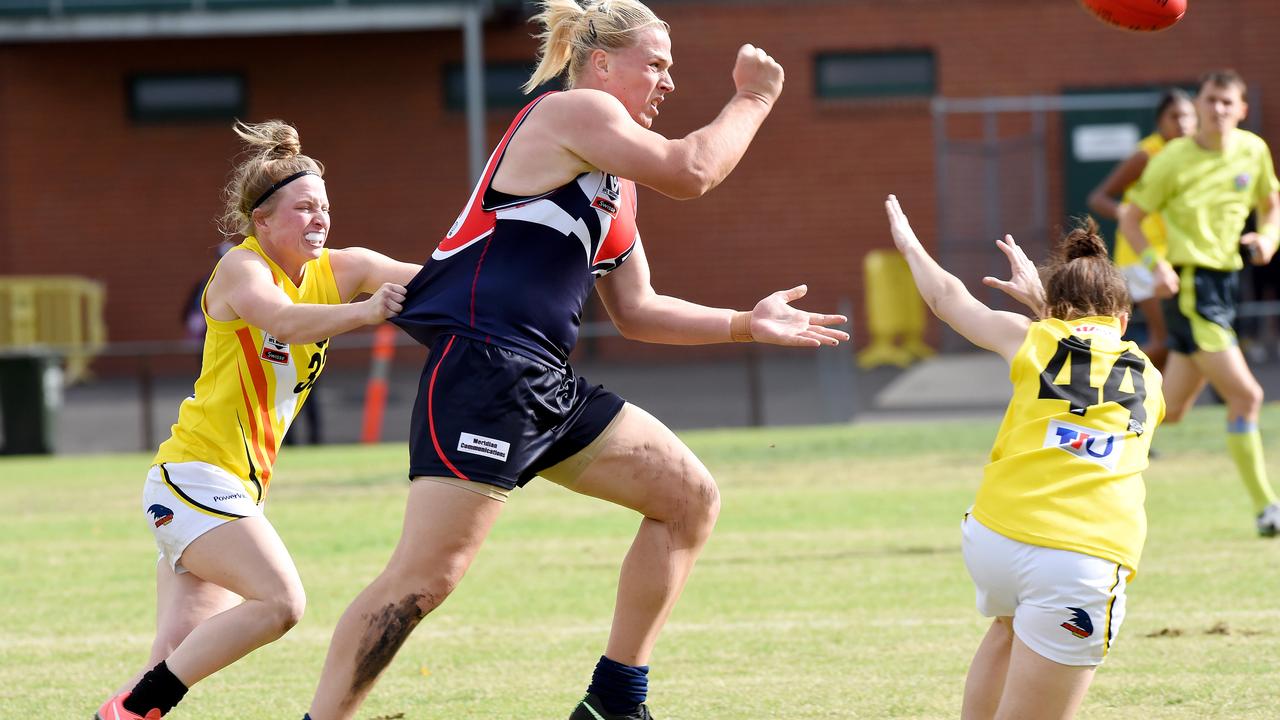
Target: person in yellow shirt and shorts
1175, 118
1057, 529
1204, 186
225, 583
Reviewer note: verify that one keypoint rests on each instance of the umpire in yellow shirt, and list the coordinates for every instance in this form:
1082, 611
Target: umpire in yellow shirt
1204, 186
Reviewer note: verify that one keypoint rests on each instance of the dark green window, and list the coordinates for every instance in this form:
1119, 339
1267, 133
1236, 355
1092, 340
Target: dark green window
502, 83
168, 97
875, 75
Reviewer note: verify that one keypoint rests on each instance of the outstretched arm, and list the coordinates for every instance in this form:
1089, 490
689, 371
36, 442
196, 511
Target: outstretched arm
997, 331
242, 287
642, 314
361, 270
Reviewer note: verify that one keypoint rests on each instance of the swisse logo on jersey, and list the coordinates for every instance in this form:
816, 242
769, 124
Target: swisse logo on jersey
481, 445
1094, 445
607, 198
274, 351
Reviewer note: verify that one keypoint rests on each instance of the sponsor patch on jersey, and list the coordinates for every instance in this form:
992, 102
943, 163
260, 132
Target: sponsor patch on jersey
481, 445
1079, 625
1096, 446
612, 188
273, 350
605, 204
1242, 181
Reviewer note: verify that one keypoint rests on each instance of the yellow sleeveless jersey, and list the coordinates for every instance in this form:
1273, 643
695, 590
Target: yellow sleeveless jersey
1152, 225
1066, 468
251, 385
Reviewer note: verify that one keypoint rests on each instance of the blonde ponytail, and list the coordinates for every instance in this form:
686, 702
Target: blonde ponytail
570, 31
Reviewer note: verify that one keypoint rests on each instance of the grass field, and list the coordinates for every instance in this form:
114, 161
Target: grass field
833, 587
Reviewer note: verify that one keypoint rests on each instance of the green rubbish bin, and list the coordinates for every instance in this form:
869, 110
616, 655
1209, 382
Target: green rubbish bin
30, 395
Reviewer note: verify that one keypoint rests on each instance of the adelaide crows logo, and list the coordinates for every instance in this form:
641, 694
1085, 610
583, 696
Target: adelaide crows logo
1079, 625
160, 514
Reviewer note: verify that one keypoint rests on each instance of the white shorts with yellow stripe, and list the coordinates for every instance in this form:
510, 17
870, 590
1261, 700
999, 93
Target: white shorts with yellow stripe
183, 501
1066, 606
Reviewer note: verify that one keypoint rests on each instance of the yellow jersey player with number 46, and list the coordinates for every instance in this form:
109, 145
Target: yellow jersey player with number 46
1057, 529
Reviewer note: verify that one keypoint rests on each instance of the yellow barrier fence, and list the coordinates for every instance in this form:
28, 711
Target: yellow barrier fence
58, 313
895, 312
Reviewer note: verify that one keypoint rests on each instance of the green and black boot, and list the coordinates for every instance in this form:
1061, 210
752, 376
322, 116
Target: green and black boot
592, 709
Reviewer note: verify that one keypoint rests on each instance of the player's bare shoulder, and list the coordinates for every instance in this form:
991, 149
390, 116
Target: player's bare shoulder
568, 115
237, 269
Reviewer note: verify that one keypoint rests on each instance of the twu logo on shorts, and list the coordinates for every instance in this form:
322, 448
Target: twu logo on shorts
1096, 446
161, 514
1079, 625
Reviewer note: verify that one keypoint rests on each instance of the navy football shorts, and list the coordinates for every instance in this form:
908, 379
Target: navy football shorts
490, 415
1202, 316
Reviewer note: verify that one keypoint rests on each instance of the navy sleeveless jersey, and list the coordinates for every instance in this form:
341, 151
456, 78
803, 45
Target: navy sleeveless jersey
516, 271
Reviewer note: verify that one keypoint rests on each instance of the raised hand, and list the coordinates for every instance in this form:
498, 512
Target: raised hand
757, 73
1023, 284
774, 321
904, 238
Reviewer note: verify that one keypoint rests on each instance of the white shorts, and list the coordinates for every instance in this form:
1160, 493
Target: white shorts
183, 501
1141, 281
1066, 606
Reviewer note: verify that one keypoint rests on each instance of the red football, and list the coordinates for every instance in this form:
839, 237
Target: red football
1140, 15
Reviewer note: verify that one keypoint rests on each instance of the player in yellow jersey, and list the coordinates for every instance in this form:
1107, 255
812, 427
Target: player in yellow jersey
1175, 118
225, 583
1204, 187
1058, 525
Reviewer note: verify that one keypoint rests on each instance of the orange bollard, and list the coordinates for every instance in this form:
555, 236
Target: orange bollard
375, 392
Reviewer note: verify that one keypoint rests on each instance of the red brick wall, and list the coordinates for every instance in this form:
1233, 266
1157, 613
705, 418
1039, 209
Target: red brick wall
84, 190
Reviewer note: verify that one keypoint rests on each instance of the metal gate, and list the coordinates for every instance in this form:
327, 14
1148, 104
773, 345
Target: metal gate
992, 160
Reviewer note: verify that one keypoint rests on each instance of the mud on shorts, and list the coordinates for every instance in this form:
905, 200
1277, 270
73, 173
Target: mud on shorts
485, 414
185, 500
1200, 318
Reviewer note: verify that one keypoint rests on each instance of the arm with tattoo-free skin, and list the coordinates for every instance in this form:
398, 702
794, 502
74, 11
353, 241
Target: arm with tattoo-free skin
1262, 244
640, 313
585, 129
1166, 278
998, 331
242, 287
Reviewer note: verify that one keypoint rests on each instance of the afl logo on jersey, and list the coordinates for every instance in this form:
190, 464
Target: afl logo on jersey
607, 197
274, 351
1095, 446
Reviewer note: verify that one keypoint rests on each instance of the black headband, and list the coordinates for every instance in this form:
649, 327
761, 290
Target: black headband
263, 197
